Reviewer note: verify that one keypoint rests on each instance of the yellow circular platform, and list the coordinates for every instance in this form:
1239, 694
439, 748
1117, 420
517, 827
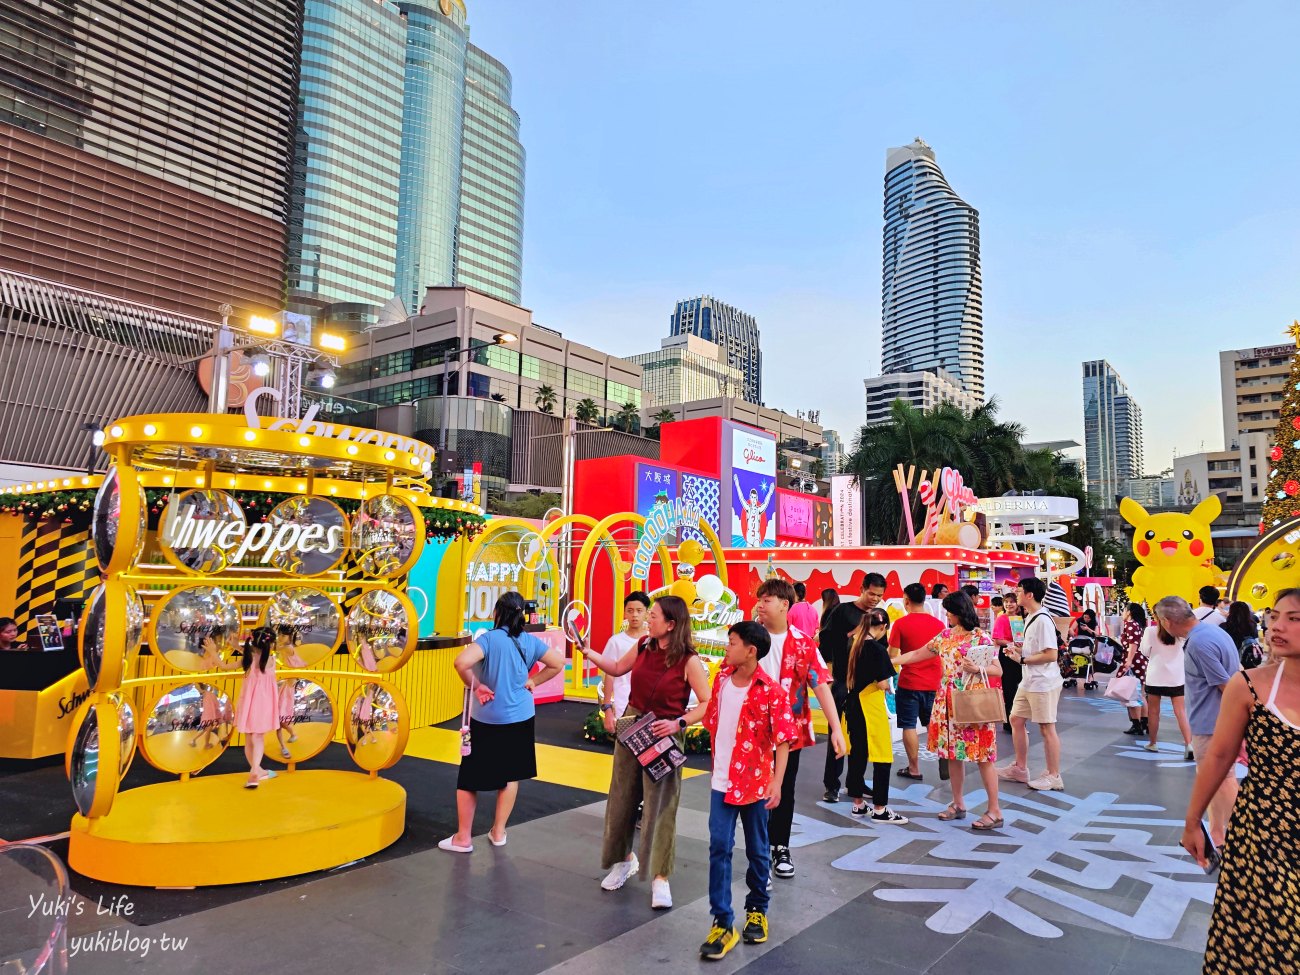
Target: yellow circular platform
211, 830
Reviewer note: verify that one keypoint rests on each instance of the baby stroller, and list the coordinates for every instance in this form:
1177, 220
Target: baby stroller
1076, 660
1107, 656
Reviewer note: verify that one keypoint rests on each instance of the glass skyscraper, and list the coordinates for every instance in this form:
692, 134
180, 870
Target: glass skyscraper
490, 238
344, 194
1112, 432
735, 331
432, 126
932, 291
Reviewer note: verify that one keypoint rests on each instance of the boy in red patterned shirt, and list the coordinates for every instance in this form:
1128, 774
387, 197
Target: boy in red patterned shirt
749, 721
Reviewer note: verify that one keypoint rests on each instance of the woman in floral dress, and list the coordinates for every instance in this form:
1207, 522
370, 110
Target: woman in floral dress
969, 658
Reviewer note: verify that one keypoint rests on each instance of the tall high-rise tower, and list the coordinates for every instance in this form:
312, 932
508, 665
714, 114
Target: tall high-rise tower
735, 331
462, 195
932, 291
344, 195
1112, 432
490, 234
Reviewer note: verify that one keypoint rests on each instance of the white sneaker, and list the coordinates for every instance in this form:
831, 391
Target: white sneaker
661, 897
617, 877
1047, 782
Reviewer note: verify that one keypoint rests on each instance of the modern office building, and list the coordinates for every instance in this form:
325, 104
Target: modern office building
71, 359
347, 158
450, 345
833, 454
1253, 385
1112, 432
686, 368
735, 331
143, 148
924, 390
1152, 491
432, 127
460, 217
931, 288
490, 236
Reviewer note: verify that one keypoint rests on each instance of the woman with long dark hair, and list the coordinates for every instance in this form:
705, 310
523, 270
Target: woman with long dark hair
257, 712
1255, 926
495, 669
1135, 663
866, 719
969, 660
830, 599
1241, 626
665, 670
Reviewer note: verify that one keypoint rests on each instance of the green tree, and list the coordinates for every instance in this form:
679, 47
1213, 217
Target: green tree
817, 468
664, 416
628, 417
930, 439
587, 411
987, 451
545, 399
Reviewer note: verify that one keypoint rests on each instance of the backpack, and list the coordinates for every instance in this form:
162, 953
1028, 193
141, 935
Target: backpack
1252, 653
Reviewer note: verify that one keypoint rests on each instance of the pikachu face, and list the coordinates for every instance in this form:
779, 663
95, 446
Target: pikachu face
1172, 539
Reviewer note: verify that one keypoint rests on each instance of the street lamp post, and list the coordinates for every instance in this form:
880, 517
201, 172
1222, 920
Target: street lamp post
501, 338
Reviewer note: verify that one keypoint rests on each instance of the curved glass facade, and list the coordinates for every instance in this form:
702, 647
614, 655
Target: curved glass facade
432, 127
490, 237
932, 290
344, 196
477, 430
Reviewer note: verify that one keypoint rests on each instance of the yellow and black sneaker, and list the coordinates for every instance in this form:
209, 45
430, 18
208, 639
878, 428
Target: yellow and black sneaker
720, 941
755, 927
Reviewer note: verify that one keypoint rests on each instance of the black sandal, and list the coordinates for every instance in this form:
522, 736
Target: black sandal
904, 773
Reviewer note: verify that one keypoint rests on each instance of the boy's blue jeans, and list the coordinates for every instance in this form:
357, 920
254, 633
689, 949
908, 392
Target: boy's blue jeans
722, 839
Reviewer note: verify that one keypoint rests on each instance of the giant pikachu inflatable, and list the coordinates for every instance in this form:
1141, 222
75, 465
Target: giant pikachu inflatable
1176, 551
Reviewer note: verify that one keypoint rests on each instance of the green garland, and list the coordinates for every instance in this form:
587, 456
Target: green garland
76, 506
71, 506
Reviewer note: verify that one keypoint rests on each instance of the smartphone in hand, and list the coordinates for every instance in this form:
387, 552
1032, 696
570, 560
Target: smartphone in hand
1213, 859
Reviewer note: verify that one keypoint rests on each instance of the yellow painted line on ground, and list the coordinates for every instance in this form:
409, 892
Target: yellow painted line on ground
576, 768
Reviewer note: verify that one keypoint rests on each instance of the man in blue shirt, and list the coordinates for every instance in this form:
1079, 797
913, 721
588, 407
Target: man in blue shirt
1209, 660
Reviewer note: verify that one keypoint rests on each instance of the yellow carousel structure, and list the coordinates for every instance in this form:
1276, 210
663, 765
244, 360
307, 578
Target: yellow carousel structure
564, 554
308, 570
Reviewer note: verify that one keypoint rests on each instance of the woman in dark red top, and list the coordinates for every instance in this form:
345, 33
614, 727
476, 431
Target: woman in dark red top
665, 670
1135, 662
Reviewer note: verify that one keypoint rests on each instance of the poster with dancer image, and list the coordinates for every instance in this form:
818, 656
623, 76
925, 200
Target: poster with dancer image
753, 489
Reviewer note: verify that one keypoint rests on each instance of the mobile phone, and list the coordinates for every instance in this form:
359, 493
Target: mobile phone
1213, 859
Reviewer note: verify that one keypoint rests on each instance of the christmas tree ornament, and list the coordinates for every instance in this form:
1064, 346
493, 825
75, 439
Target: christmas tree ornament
1291, 488
1275, 454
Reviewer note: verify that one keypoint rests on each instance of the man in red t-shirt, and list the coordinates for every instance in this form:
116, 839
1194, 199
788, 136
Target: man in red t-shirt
917, 683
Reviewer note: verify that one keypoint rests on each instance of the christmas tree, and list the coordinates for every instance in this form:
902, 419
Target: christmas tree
1282, 497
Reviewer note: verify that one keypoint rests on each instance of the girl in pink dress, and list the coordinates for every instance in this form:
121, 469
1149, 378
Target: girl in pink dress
258, 709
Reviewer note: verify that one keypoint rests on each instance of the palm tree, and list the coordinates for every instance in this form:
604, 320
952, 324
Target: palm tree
586, 411
499, 397
817, 468
545, 399
664, 416
628, 417
988, 454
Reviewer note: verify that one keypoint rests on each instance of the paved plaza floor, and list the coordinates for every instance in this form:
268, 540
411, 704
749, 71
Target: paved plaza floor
1090, 880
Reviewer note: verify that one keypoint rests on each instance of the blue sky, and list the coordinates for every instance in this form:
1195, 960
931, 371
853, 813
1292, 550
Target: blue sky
1136, 167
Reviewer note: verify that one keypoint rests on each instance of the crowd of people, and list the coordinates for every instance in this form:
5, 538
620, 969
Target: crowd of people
951, 672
